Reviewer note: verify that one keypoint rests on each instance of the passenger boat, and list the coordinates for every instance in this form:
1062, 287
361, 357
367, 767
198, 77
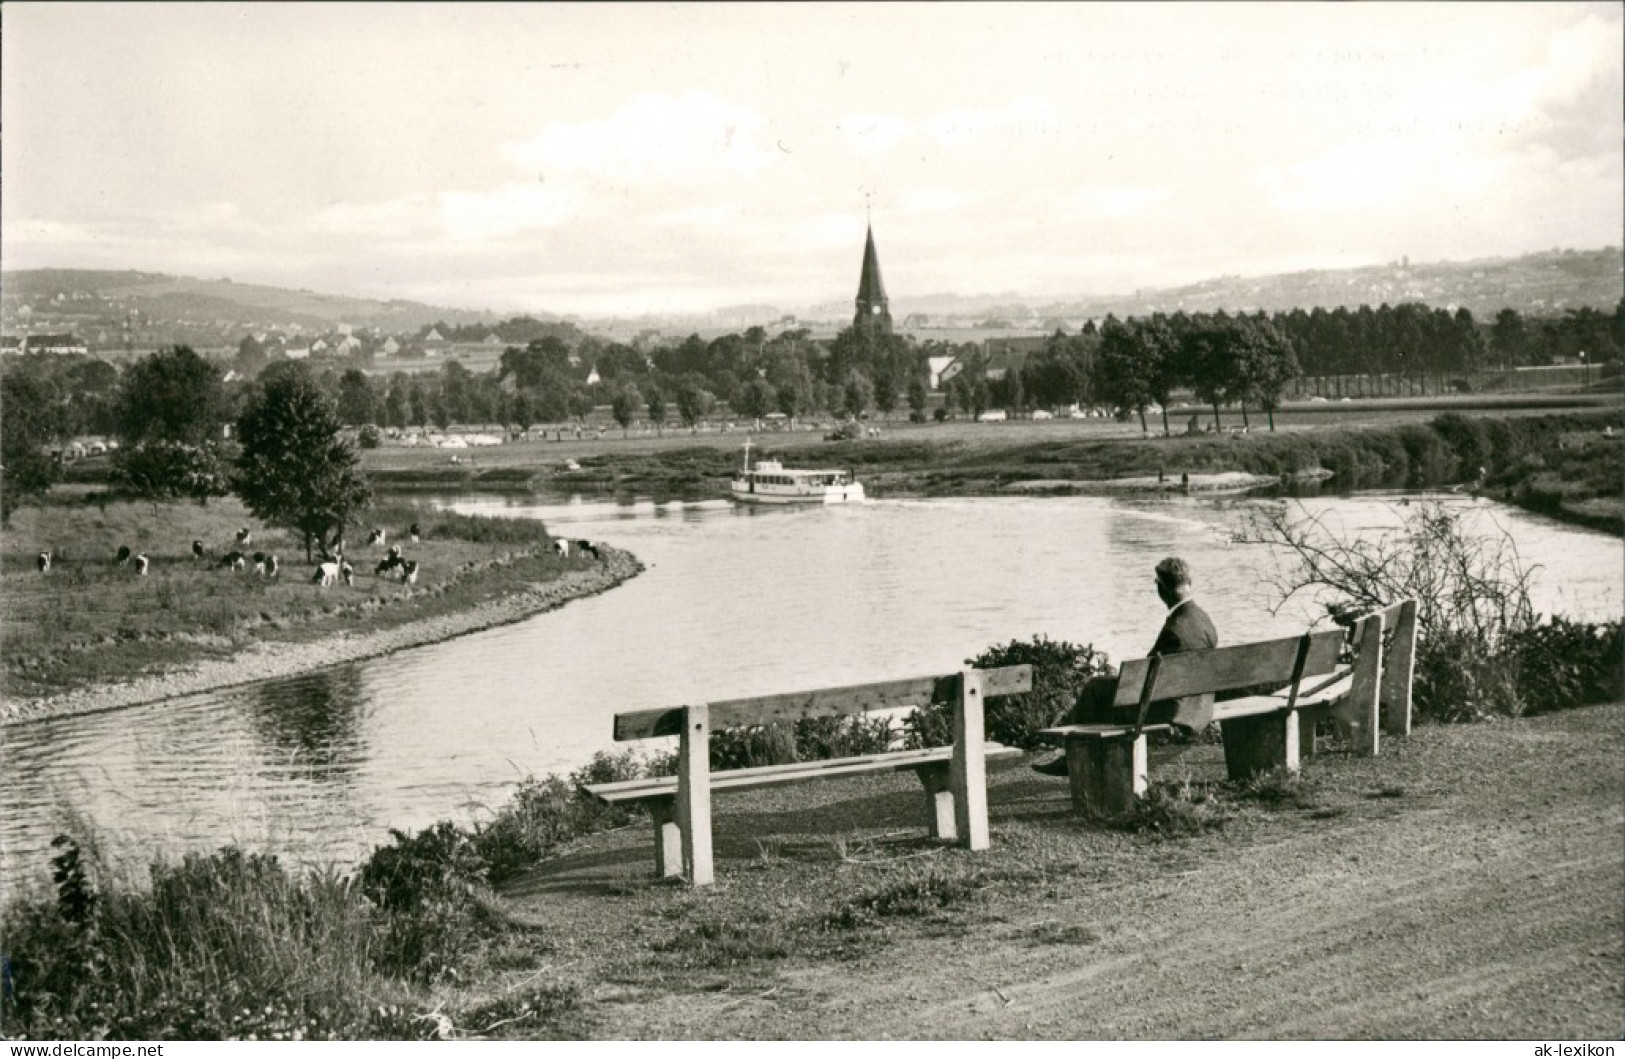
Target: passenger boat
769, 482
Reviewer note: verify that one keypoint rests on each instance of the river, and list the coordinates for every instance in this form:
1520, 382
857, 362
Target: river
735, 601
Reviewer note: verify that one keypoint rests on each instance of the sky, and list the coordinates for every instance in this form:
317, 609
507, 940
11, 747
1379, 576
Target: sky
599, 159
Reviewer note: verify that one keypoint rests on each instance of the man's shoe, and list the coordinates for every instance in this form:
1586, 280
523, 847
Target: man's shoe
1055, 766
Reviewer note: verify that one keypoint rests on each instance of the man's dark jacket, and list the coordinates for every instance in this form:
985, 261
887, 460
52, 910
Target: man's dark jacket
1188, 628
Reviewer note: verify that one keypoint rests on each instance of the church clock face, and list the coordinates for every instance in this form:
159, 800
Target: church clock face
874, 309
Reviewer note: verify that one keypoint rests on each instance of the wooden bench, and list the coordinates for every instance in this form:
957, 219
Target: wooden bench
955, 777
1321, 679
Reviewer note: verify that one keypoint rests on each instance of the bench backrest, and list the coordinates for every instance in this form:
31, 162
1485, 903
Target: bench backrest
824, 702
1228, 668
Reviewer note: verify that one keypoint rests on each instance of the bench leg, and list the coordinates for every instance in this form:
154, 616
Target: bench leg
694, 794
939, 802
1259, 744
968, 770
1106, 775
1398, 669
1360, 715
668, 838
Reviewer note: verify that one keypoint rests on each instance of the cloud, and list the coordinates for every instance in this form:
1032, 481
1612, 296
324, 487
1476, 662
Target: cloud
1025, 116
506, 210
937, 200
873, 133
650, 138
1110, 203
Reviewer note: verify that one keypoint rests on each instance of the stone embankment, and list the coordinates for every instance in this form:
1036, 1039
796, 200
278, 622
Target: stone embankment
270, 660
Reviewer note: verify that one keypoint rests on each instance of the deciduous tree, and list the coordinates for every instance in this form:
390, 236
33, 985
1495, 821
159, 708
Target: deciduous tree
294, 470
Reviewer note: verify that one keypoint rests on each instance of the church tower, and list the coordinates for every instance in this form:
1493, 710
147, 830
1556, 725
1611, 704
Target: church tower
874, 310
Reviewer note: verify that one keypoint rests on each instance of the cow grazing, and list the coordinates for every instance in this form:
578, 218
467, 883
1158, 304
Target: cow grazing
377, 536
347, 572
387, 565
44, 562
413, 532
395, 552
235, 560
588, 548
271, 566
409, 572
562, 546
123, 555
141, 566
260, 559
325, 574
197, 550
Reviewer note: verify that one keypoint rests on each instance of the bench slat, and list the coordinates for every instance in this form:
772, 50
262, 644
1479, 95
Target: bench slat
659, 787
1225, 668
1058, 736
1253, 705
826, 702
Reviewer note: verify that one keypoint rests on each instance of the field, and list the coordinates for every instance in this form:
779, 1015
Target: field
1554, 459
90, 621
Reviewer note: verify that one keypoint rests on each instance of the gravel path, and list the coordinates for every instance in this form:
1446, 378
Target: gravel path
272, 660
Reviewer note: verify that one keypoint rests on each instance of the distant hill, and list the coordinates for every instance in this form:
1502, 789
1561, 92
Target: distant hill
85, 292
1538, 284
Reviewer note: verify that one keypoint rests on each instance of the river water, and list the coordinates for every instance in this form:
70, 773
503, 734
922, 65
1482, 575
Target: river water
735, 601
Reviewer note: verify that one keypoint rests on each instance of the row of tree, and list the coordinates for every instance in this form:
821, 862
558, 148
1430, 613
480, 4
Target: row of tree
288, 462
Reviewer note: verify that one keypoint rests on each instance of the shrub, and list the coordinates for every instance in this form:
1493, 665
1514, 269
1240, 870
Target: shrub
1060, 670
1561, 664
370, 437
1468, 439
806, 739
223, 945
1480, 651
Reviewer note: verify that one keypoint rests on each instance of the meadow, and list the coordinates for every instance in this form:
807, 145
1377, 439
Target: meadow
91, 621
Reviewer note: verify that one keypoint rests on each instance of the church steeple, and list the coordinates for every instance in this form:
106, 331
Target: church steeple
874, 310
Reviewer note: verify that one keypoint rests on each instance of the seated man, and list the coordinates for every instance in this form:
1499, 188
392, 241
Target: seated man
1187, 628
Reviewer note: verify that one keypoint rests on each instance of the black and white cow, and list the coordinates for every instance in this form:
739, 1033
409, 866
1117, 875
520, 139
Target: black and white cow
244, 538
43, 561
197, 550
234, 559
326, 573
141, 566
272, 566
377, 536
587, 548
409, 572
123, 555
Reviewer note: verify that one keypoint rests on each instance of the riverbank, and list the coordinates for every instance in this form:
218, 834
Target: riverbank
272, 660
1462, 885
1560, 464
91, 635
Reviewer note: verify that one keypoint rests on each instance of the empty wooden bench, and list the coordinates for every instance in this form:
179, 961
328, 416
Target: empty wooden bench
1337, 675
954, 777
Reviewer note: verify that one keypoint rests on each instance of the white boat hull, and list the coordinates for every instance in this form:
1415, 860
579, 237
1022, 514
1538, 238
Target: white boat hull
851, 493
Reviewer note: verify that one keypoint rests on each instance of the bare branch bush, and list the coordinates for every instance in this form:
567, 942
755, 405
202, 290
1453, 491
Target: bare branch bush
1472, 591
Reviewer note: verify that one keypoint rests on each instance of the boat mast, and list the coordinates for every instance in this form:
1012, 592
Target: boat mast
747, 456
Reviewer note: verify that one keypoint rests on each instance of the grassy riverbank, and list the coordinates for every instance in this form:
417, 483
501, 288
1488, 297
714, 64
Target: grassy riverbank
1556, 463
1463, 885
90, 623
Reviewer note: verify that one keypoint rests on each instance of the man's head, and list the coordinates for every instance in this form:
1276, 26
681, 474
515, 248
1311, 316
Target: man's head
1173, 581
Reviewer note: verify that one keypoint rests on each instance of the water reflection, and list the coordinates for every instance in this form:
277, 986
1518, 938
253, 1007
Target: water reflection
314, 723
736, 601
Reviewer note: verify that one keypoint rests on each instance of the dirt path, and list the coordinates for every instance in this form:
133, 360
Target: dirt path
1467, 884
